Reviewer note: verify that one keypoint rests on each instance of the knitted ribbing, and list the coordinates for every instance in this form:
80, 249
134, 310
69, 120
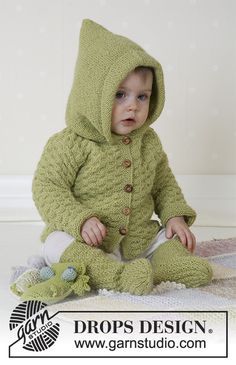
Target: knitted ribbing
173, 262
135, 277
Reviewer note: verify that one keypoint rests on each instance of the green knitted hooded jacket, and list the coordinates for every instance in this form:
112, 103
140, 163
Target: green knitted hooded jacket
82, 171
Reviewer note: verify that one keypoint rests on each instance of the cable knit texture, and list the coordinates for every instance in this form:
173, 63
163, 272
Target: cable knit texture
82, 172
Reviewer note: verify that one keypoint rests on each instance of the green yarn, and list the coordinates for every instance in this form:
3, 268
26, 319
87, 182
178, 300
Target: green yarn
81, 172
24, 281
135, 277
57, 287
173, 262
104, 60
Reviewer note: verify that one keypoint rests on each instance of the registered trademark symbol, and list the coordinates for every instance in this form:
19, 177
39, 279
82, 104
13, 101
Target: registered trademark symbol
210, 330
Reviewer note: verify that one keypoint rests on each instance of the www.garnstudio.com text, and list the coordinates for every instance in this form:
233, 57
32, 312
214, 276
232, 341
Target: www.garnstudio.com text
143, 327
146, 343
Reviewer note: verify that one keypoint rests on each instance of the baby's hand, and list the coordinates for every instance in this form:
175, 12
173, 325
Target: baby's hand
93, 231
177, 225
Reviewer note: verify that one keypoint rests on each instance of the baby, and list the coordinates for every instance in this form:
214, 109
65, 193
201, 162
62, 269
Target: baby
130, 112
100, 179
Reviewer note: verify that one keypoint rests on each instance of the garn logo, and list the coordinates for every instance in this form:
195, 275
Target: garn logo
34, 328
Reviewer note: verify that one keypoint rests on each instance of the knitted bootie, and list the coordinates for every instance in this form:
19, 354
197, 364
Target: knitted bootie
173, 262
58, 282
135, 277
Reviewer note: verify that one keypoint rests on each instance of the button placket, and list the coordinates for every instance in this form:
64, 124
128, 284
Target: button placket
128, 188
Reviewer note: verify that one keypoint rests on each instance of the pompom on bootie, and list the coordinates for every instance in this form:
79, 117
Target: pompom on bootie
173, 262
134, 277
56, 283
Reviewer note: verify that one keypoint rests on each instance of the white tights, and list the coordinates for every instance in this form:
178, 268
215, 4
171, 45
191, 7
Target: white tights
58, 241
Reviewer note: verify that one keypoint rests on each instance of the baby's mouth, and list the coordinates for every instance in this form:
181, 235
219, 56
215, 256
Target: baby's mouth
128, 121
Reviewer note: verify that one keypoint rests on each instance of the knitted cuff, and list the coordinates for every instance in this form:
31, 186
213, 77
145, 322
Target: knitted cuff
180, 211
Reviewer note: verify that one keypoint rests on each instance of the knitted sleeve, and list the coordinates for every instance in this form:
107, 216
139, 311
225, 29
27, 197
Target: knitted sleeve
53, 182
169, 201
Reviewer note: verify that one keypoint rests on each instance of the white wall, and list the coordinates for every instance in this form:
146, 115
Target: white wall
193, 39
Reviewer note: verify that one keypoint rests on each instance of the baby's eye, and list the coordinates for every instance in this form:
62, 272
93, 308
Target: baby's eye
143, 97
120, 94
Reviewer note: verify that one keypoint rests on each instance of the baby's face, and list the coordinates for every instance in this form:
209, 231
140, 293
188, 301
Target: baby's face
131, 104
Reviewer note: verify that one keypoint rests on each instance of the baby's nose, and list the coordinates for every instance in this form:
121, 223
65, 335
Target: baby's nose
132, 104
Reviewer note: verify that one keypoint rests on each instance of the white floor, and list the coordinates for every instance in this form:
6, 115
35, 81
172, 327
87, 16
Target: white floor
19, 240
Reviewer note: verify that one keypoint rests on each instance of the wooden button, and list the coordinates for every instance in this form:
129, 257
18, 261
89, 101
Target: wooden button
128, 188
126, 211
123, 231
126, 163
126, 140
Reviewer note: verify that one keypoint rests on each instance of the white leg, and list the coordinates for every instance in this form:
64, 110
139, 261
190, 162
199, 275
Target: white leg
55, 245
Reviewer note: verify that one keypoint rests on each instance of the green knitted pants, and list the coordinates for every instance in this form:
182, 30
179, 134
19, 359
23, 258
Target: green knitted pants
135, 277
173, 262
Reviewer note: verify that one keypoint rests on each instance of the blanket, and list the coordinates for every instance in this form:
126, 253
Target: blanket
219, 295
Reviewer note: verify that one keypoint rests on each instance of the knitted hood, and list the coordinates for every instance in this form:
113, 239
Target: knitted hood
104, 60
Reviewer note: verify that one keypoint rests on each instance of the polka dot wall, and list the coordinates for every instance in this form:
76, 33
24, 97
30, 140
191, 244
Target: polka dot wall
194, 40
